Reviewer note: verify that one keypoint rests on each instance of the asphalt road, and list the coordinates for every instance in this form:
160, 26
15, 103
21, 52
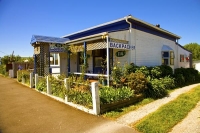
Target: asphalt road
24, 110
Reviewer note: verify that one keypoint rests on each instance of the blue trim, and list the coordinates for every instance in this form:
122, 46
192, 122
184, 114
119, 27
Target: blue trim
68, 61
111, 27
35, 59
84, 52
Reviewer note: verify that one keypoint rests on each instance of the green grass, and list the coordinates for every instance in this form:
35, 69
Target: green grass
167, 116
119, 112
114, 114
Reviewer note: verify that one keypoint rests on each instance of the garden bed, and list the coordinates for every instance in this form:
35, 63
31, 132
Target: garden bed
120, 104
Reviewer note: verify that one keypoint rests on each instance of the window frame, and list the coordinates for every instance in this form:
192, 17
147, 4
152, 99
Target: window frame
170, 58
182, 58
54, 55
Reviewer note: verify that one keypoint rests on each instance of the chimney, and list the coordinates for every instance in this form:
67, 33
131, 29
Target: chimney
158, 25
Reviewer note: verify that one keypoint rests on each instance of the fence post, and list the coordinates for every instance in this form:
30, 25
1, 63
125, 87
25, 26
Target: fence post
31, 80
17, 76
48, 86
66, 82
36, 80
95, 98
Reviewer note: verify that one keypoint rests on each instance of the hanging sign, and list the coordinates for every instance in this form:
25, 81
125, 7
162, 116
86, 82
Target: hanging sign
57, 47
120, 53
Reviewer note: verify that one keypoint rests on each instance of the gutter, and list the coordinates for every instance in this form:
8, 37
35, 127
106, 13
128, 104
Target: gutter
130, 34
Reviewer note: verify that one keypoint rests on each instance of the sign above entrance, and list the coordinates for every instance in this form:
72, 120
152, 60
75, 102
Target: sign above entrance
57, 47
120, 44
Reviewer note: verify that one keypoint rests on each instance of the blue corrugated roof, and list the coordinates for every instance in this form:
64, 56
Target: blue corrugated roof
39, 38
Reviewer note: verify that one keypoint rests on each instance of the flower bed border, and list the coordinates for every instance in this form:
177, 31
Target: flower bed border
120, 104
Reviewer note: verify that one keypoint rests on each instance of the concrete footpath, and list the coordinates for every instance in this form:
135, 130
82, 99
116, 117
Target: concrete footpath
25, 110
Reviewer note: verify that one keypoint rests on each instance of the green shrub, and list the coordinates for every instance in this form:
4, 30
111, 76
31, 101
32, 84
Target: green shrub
156, 72
24, 74
57, 87
130, 68
117, 73
3, 69
144, 70
184, 76
156, 89
137, 82
42, 85
110, 94
80, 97
169, 82
166, 70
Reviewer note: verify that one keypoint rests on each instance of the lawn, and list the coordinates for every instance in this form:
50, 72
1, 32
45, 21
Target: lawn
121, 111
167, 116
114, 114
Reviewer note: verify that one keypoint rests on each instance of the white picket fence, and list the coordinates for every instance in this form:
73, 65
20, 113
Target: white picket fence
94, 89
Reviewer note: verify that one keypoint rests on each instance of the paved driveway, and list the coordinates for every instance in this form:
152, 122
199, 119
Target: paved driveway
25, 110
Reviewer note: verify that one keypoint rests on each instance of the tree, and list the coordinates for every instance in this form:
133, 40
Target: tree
195, 49
10, 58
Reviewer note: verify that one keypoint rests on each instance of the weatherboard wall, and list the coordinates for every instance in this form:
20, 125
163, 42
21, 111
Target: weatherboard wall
148, 48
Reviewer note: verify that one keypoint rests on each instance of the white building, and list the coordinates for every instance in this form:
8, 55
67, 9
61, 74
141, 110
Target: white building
127, 40
196, 65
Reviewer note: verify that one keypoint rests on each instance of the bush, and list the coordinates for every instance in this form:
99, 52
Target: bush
80, 97
3, 69
156, 72
144, 70
137, 82
24, 74
157, 88
57, 87
186, 76
130, 68
117, 73
42, 85
166, 70
168, 82
110, 94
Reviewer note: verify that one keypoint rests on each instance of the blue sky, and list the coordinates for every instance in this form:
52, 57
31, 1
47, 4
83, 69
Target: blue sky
20, 19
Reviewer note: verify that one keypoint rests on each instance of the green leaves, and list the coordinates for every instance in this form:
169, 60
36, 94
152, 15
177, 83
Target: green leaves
110, 94
195, 49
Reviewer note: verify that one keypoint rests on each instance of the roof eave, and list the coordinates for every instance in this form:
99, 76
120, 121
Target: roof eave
121, 19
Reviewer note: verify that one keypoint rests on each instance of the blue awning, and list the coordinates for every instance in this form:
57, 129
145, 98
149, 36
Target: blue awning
47, 39
166, 48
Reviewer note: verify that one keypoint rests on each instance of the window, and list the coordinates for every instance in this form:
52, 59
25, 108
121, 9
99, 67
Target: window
53, 59
171, 57
167, 57
97, 62
187, 59
181, 58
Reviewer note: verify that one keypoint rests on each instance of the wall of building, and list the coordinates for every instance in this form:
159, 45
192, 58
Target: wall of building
121, 35
63, 63
182, 51
197, 66
73, 63
148, 48
55, 69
